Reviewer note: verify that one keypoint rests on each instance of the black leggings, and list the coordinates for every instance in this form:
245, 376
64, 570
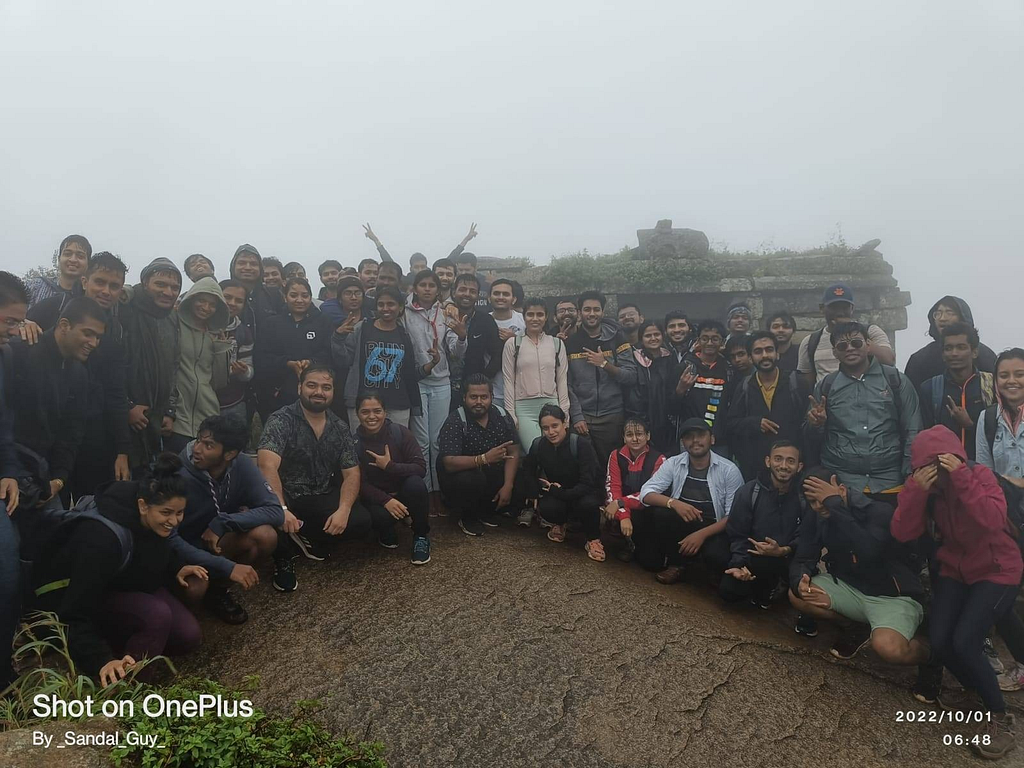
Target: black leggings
313, 511
767, 573
586, 510
961, 617
412, 493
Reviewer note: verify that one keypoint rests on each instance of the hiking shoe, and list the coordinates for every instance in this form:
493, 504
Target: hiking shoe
525, 517
488, 519
420, 550
223, 605
671, 575
471, 527
993, 657
309, 550
998, 732
929, 684
388, 538
284, 575
1012, 679
806, 625
851, 642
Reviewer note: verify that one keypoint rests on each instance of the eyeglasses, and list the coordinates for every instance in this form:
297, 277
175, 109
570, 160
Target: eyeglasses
940, 314
710, 339
12, 322
842, 346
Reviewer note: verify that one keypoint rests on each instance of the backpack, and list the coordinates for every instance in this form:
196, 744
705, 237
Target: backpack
756, 494
937, 387
517, 343
892, 375
461, 410
794, 391
990, 422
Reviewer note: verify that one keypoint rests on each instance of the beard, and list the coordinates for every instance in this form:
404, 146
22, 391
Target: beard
318, 406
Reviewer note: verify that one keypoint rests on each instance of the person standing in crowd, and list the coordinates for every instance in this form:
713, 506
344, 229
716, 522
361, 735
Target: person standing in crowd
567, 319
247, 268
108, 576
445, 271
377, 356
308, 457
330, 273
387, 257
817, 358
563, 480
738, 355
368, 275
483, 344
72, 260
679, 334
654, 398
103, 455
349, 303
392, 468
465, 264
290, 342
872, 590
389, 274
691, 495
478, 456
151, 351
737, 320
980, 567
13, 306
231, 511
509, 320
630, 320
273, 275
782, 326
629, 468
234, 394
435, 341
204, 362
766, 407
534, 369
600, 368
705, 386
957, 397
864, 417
417, 263
292, 269
197, 267
928, 361
762, 528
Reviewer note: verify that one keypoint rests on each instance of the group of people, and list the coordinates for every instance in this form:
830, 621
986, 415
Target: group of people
157, 445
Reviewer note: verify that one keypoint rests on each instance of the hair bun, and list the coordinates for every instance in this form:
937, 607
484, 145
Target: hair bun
166, 465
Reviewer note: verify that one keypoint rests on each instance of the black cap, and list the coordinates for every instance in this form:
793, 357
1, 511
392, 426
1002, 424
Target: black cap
695, 424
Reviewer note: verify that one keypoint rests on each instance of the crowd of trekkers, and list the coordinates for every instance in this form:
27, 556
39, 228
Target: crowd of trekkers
158, 446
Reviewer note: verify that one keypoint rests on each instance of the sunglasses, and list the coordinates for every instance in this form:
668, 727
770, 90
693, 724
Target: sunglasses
842, 346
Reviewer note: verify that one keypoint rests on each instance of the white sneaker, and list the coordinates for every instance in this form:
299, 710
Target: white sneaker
1012, 679
993, 657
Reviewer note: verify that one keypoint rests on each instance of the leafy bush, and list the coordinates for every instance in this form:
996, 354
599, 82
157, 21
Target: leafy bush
581, 271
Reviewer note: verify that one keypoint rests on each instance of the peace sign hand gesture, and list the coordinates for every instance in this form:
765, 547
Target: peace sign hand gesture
817, 415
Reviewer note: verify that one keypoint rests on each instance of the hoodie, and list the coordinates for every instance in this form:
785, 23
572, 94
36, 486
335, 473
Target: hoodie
378, 486
236, 503
592, 390
40, 288
261, 303
927, 361
283, 340
968, 515
235, 390
425, 326
204, 359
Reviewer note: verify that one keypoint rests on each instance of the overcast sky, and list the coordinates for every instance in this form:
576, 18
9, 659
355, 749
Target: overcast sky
166, 129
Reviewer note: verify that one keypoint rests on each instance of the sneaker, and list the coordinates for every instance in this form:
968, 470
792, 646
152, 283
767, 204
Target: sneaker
673, 574
490, 520
998, 736
993, 657
764, 602
471, 527
223, 605
779, 592
309, 550
806, 625
1012, 679
525, 518
420, 550
388, 538
625, 554
284, 575
929, 684
851, 642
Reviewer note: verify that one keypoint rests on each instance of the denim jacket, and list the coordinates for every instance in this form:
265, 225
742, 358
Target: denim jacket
724, 479
1006, 456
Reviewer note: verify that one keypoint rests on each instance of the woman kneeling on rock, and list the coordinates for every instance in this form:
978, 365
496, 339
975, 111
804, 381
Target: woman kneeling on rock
564, 479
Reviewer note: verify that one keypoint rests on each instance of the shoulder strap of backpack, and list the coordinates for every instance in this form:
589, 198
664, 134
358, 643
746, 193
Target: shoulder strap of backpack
987, 383
938, 387
574, 445
892, 375
649, 462
812, 345
827, 382
799, 403
754, 496
462, 415
558, 352
990, 425
535, 443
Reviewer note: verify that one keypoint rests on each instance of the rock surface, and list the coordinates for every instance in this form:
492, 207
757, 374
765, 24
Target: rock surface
509, 650
665, 242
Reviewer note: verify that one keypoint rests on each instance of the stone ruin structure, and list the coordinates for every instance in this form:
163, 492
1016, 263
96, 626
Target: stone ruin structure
766, 283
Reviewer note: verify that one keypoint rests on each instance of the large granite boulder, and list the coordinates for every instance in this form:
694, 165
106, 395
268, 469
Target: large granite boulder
665, 242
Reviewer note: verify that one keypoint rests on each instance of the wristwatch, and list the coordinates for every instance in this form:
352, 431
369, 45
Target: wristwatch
604, 363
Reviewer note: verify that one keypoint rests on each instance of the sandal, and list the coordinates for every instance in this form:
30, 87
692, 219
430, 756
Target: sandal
595, 550
557, 533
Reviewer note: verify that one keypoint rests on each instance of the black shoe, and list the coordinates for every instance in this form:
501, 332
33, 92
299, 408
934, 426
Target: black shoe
626, 553
929, 684
309, 550
223, 605
764, 602
471, 527
806, 625
284, 575
491, 521
851, 642
388, 538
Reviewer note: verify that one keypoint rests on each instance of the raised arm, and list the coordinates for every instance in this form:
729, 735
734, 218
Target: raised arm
368, 231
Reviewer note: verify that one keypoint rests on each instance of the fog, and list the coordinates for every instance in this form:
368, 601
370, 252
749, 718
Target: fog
162, 130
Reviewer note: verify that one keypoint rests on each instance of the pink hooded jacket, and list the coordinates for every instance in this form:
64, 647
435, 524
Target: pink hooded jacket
970, 515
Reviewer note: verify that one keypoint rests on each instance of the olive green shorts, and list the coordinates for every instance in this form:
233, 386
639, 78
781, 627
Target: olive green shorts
901, 614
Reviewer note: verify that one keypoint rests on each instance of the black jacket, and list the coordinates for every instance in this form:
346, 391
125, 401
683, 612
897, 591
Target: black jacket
861, 551
483, 348
743, 423
927, 361
774, 515
282, 340
48, 399
578, 477
655, 400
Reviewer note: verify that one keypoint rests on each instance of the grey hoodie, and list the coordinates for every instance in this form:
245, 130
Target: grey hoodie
426, 325
592, 390
204, 359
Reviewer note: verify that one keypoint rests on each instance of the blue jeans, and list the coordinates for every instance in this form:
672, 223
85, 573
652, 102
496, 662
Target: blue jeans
10, 592
435, 399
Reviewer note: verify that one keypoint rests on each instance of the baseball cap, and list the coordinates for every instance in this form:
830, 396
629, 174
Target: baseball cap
694, 424
837, 292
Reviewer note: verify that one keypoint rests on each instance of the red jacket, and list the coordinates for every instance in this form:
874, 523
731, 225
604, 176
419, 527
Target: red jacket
970, 515
616, 484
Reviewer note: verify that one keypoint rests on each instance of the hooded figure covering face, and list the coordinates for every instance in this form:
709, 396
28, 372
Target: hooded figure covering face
927, 361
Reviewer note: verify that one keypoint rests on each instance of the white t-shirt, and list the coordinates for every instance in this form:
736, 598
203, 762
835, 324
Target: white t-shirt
517, 324
824, 359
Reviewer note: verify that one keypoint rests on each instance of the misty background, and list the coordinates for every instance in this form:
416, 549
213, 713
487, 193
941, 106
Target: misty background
163, 130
